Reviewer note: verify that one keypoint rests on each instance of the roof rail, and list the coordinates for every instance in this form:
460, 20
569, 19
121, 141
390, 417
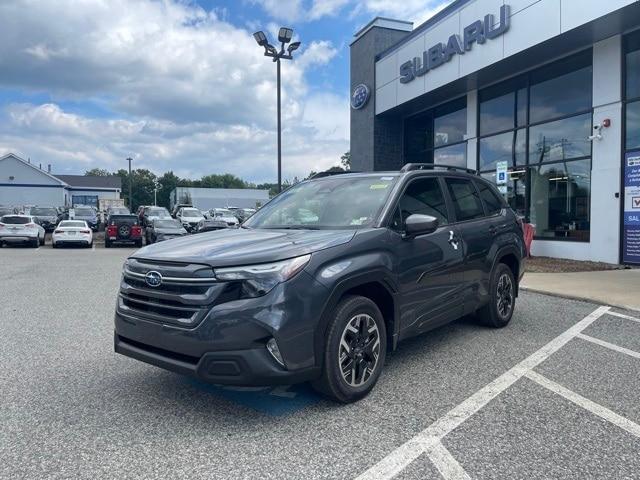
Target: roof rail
328, 173
426, 166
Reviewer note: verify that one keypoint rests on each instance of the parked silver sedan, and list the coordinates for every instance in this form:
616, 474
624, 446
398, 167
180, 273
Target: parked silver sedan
21, 229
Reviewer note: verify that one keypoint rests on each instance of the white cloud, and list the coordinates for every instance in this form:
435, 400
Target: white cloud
189, 91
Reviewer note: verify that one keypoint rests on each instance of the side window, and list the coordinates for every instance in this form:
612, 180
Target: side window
493, 204
466, 200
424, 197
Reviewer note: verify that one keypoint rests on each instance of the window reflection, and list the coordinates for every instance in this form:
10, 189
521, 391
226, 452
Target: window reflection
560, 140
450, 128
633, 73
560, 96
508, 147
455, 155
496, 114
515, 188
560, 198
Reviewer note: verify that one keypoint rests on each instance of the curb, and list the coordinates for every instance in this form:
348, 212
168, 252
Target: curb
582, 299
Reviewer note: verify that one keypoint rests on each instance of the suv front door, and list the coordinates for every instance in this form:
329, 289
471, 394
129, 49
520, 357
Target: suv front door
429, 267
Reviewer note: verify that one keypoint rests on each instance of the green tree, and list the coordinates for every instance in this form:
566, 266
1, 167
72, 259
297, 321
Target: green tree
345, 160
226, 180
142, 186
168, 181
98, 172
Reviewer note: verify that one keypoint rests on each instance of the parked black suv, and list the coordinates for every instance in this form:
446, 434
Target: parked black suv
325, 279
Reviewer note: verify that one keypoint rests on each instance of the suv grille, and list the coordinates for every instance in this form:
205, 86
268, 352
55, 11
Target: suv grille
184, 296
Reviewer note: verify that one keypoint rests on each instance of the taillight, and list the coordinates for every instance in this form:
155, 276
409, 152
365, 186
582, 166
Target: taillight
30, 225
112, 230
135, 230
57, 231
85, 231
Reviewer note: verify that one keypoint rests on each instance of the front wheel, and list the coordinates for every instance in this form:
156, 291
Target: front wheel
498, 312
355, 350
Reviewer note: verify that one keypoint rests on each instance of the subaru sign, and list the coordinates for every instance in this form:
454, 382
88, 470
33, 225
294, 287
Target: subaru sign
360, 96
478, 32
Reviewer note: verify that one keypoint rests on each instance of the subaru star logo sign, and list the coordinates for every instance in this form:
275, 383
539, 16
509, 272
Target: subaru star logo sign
360, 96
153, 278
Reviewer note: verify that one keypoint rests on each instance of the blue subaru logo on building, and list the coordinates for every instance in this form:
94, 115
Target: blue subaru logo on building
360, 96
153, 278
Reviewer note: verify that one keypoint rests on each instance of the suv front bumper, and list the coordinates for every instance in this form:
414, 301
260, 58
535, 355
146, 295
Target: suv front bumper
229, 345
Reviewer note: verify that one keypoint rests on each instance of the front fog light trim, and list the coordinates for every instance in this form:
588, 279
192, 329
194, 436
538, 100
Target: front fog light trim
272, 347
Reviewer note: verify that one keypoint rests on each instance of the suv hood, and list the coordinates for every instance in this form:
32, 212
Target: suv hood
231, 247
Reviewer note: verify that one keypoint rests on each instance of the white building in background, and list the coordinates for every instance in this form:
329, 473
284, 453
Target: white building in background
547, 89
207, 198
23, 183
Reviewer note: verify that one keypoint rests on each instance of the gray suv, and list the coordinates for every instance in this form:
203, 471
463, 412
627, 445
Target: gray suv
325, 280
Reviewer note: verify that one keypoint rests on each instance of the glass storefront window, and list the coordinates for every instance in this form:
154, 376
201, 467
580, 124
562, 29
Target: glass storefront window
455, 155
560, 140
450, 128
508, 147
496, 114
563, 95
632, 47
522, 107
560, 200
516, 188
633, 125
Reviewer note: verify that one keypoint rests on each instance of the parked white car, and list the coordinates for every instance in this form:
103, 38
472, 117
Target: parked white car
189, 218
224, 215
21, 229
72, 232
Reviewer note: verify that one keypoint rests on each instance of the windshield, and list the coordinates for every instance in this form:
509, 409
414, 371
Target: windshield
222, 212
71, 223
191, 212
119, 211
334, 202
85, 212
167, 224
44, 212
11, 220
158, 212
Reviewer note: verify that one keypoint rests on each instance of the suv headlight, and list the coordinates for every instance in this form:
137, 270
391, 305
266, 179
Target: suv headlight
258, 280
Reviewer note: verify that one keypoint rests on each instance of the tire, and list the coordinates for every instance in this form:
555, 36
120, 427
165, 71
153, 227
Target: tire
498, 312
139, 243
53, 245
338, 381
35, 243
107, 243
42, 241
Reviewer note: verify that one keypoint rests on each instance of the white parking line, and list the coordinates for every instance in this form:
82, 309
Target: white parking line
595, 408
402, 456
608, 345
448, 466
622, 315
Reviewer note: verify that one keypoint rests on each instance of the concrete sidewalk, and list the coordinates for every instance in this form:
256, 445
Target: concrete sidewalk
619, 288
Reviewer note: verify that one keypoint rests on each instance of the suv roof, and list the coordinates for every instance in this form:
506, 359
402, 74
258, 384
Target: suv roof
409, 167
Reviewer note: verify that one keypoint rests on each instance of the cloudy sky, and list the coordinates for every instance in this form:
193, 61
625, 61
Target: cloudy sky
179, 84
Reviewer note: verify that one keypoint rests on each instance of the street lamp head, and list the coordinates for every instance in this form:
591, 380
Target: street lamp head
285, 34
261, 38
293, 46
271, 50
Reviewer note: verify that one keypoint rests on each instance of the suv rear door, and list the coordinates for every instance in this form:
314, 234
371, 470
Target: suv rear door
476, 234
429, 267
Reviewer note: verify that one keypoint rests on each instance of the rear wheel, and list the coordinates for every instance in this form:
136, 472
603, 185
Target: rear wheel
35, 243
42, 241
498, 312
355, 350
107, 243
139, 243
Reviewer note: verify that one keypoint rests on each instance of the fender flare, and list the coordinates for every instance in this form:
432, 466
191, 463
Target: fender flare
379, 276
508, 250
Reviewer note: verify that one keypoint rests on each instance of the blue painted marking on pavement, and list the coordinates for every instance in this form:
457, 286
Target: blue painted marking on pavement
275, 401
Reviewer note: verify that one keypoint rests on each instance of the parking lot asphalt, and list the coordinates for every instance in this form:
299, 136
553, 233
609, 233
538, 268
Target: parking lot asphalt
553, 395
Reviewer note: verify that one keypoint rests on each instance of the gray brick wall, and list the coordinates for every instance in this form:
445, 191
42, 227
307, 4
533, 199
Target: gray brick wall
376, 143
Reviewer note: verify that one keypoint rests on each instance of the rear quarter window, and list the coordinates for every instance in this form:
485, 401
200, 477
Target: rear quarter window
492, 202
465, 198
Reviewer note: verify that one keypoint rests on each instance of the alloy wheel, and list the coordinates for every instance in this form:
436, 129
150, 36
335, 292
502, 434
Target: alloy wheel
505, 295
359, 350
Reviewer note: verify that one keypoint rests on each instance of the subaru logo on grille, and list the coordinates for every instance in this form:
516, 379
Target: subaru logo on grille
153, 278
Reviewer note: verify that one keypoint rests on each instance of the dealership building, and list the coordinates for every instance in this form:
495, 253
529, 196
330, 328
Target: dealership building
542, 97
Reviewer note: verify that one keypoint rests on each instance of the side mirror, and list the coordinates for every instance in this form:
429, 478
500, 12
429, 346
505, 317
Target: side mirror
417, 224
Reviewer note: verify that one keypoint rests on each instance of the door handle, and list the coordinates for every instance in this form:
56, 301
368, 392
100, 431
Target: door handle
493, 230
453, 240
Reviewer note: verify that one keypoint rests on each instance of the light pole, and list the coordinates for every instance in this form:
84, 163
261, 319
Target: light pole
284, 37
129, 159
156, 186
